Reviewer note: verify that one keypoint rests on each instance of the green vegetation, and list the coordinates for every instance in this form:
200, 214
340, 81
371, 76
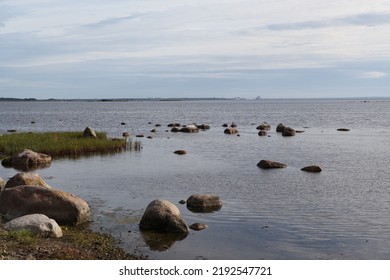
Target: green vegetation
76, 244
63, 144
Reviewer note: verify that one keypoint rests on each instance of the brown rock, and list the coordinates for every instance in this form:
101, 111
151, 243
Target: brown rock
180, 152
29, 160
231, 130
269, 164
89, 133
288, 131
280, 127
63, 207
264, 126
22, 178
262, 133
312, 168
162, 215
198, 226
204, 203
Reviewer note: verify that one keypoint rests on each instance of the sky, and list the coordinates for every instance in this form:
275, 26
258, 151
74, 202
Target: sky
198, 48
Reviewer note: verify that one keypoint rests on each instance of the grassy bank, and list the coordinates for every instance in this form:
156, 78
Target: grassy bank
62, 144
76, 244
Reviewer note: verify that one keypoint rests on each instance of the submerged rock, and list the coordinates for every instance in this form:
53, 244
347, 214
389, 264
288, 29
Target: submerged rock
288, 131
264, 126
312, 168
198, 226
38, 224
269, 164
231, 130
180, 152
204, 203
280, 127
189, 129
343, 129
262, 133
164, 216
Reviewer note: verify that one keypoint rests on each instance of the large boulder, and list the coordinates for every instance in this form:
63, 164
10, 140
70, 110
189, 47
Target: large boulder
163, 216
38, 224
269, 164
89, 133
203, 203
65, 208
29, 160
22, 178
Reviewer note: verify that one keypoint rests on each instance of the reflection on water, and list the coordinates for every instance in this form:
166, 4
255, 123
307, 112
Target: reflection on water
158, 241
341, 213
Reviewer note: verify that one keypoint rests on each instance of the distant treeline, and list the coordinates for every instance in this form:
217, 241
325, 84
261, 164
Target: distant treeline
17, 99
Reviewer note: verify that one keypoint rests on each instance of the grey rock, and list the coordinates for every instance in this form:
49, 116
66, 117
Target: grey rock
39, 224
163, 216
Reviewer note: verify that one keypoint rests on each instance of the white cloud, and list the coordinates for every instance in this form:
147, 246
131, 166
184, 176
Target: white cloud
372, 75
187, 38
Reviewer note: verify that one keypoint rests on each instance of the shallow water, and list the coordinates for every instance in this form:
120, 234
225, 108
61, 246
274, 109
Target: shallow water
341, 213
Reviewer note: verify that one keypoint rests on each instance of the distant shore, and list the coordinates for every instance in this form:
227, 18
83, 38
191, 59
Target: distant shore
12, 99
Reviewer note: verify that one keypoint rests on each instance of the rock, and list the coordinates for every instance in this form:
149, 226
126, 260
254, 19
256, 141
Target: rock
123, 123
262, 133
162, 215
22, 178
182, 201
65, 208
189, 129
174, 124
268, 164
149, 137
299, 131
180, 152
343, 129
140, 135
225, 125
175, 129
203, 126
312, 168
231, 130
126, 134
204, 203
198, 226
28, 160
2, 184
157, 125
264, 126
89, 133
11, 130
153, 130
280, 127
38, 224
288, 131
233, 124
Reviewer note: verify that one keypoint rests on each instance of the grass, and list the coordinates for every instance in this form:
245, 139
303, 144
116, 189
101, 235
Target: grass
62, 144
76, 244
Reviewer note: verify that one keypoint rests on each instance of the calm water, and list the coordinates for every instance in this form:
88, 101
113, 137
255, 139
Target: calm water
341, 213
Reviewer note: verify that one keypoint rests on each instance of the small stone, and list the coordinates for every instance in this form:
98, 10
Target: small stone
198, 226
180, 152
312, 168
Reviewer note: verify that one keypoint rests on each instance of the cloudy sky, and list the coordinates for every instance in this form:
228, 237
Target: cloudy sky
197, 48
